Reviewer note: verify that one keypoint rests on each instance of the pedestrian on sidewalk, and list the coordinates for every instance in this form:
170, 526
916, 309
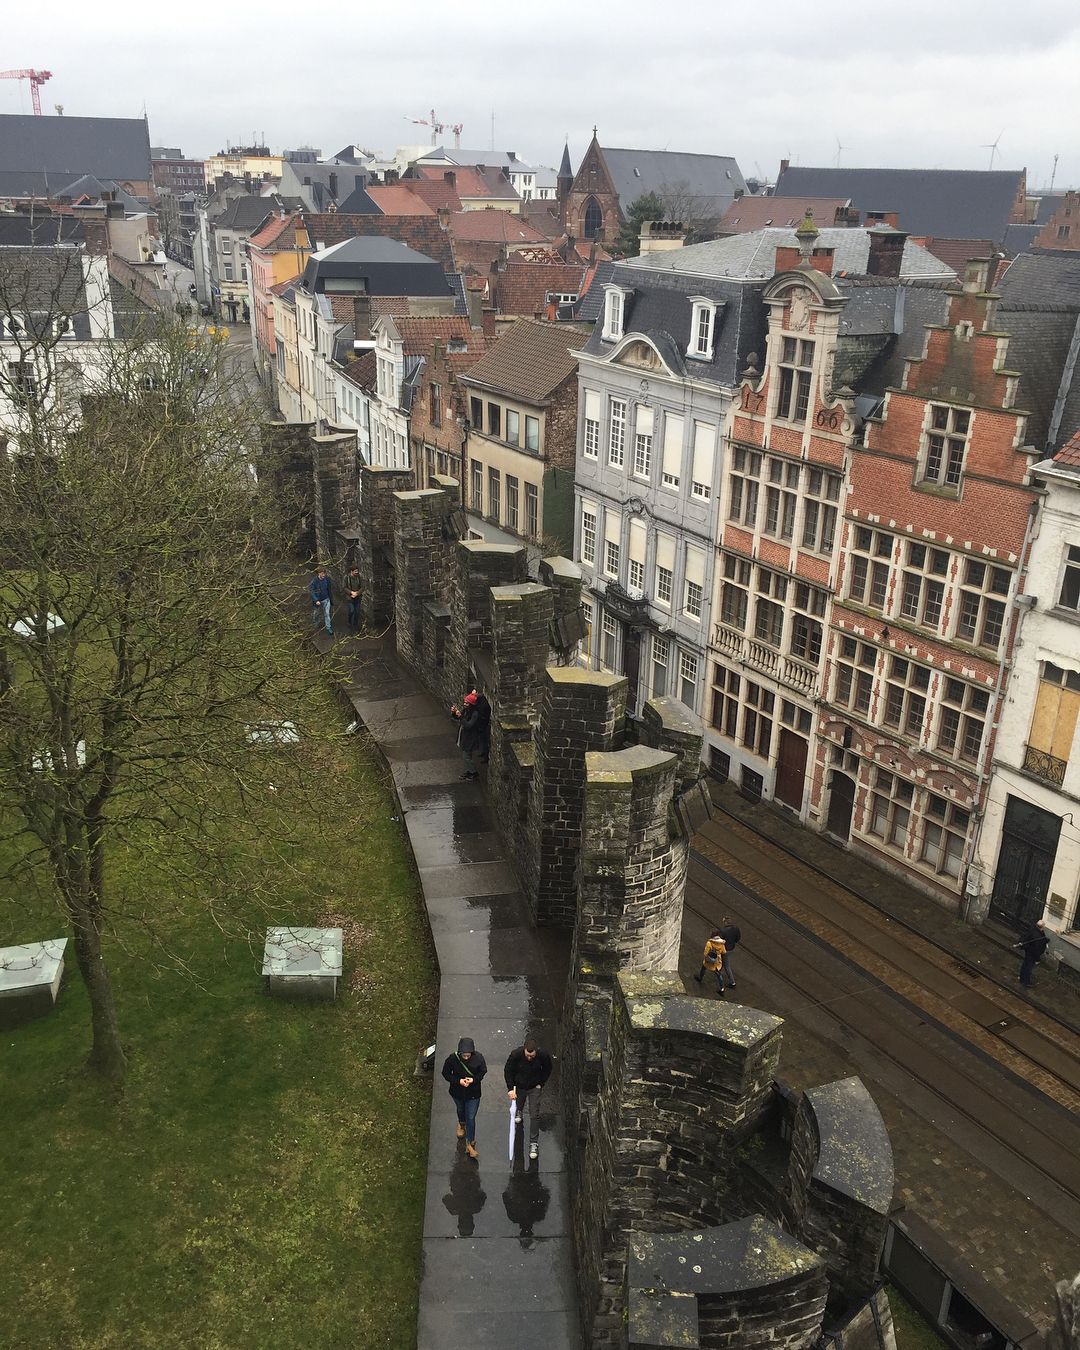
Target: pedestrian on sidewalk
483, 725
352, 592
1034, 943
712, 958
732, 935
464, 1071
526, 1071
321, 595
469, 737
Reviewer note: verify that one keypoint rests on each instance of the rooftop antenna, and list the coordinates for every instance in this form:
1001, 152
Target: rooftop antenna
839, 150
993, 146
1053, 175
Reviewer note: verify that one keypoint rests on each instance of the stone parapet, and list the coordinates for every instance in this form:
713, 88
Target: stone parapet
580, 710
422, 552
375, 542
668, 724
744, 1286
477, 566
335, 463
840, 1184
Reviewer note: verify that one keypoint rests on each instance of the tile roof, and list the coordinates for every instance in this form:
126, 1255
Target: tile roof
1069, 454
418, 334
1019, 238
272, 231
530, 360
399, 200
523, 287
470, 180
708, 183
38, 229
359, 203
544, 216
957, 253
110, 147
362, 370
753, 256
947, 203
755, 213
493, 226
247, 212
435, 191
1042, 277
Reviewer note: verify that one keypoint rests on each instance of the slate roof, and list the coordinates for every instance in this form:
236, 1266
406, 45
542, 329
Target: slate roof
359, 203
247, 213
661, 309
37, 230
384, 266
710, 181
948, 203
530, 360
753, 256
493, 226
1048, 204
592, 302
755, 213
543, 215
110, 147
1042, 277
398, 200
1040, 342
1019, 238
422, 233
957, 253
90, 186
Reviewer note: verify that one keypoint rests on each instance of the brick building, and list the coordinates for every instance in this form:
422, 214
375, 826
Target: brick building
522, 435
447, 348
936, 529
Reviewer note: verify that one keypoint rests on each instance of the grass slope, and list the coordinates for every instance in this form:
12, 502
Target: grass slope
260, 1182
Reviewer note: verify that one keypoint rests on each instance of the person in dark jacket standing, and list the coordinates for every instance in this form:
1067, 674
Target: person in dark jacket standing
527, 1070
483, 725
464, 1071
1034, 942
469, 732
321, 596
352, 592
732, 935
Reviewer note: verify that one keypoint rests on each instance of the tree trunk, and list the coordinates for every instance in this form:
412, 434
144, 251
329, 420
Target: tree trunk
107, 1054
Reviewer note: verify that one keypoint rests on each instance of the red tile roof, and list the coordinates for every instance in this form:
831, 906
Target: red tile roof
418, 335
1069, 454
399, 200
957, 253
279, 230
757, 213
435, 191
362, 370
523, 287
493, 226
470, 181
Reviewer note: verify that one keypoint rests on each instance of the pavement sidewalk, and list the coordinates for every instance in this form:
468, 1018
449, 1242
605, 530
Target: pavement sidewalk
986, 948
497, 1254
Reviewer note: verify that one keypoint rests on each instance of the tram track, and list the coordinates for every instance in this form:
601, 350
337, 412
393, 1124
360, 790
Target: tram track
1029, 1135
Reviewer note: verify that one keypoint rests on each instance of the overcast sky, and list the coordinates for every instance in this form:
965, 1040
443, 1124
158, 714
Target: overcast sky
925, 83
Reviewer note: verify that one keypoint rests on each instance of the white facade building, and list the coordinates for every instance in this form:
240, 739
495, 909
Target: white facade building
1032, 821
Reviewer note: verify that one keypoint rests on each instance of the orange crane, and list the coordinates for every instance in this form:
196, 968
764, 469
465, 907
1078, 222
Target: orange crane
36, 77
437, 128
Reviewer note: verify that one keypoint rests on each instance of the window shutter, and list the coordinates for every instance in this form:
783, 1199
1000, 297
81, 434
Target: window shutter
592, 405
665, 552
695, 566
704, 451
612, 526
644, 421
638, 538
673, 439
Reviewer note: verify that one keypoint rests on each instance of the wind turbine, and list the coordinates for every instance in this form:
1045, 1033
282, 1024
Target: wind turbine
993, 145
839, 150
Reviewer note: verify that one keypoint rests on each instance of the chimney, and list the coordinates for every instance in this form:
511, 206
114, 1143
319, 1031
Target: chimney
333, 184
390, 177
886, 255
361, 308
487, 321
977, 276
450, 177
658, 236
443, 214
784, 165
96, 234
882, 218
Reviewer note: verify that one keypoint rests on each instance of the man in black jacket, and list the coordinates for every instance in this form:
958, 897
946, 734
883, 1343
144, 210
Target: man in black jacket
527, 1070
1034, 942
731, 933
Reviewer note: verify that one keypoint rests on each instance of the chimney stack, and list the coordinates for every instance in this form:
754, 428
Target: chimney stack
886, 255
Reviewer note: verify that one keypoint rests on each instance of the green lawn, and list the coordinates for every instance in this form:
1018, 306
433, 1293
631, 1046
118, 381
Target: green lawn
912, 1330
260, 1181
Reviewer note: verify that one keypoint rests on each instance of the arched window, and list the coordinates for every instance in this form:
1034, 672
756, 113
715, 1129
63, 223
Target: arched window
594, 219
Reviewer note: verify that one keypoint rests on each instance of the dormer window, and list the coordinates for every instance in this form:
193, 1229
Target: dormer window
702, 326
614, 313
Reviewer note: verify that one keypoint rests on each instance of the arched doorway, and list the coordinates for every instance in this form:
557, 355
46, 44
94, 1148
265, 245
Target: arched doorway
841, 804
594, 219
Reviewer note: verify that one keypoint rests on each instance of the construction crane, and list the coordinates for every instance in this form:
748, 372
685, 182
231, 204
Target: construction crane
36, 77
437, 128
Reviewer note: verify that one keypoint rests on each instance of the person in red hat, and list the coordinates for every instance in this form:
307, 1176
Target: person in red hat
470, 733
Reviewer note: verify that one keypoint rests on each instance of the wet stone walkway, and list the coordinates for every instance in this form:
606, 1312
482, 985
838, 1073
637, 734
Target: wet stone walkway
497, 1260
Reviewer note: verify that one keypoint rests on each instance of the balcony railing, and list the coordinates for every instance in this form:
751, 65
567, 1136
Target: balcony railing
752, 652
1042, 764
800, 676
728, 639
763, 657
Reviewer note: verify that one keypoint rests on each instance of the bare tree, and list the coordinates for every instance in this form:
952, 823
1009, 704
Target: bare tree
138, 643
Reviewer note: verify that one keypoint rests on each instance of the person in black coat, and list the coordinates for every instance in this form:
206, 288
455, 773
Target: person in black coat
526, 1071
732, 935
471, 732
1034, 942
464, 1071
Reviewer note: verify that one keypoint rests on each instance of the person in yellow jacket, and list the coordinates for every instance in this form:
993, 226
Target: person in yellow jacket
712, 959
